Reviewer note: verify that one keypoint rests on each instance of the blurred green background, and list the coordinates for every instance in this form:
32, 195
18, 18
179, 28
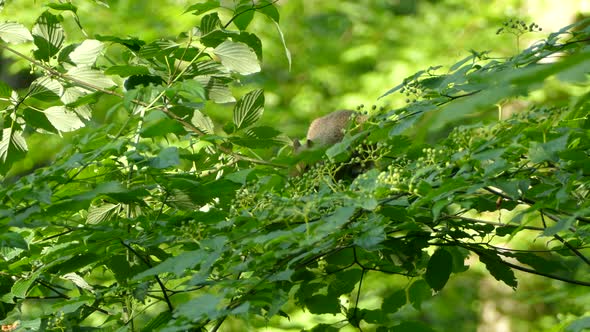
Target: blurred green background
348, 53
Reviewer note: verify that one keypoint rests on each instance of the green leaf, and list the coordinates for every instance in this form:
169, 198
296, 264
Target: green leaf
249, 109
497, 268
15, 33
126, 71
87, 52
344, 282
203, 122
159, 320
268, 8
168, 157
412, 327
21, 287
46, 89
204, 306
63, 119
48, 36
12, 146
246, 14
392, 303
237, 57
418, 293
323, 304
579, 325
63, 6
540, 152
200, 8
323, 328
10, 239
104, 212
439, 269
93, 77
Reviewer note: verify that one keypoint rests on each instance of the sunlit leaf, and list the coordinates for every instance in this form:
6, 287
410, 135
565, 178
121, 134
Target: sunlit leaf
237, 57
14, 33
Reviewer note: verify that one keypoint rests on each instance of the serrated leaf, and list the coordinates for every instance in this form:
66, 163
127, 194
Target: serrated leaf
15, 33
246, 16
126, 71
210, 23
168, 157
87, 52
46, 88
323, 304
203, 122
200, 8
237, 57
418, 293
78, 281
48, 35
249, 109
497, 268
12, 145
216, 89
91, 76
394, 302
21, 287
63, 119
75, 97
205, 306
439, 269
98, 214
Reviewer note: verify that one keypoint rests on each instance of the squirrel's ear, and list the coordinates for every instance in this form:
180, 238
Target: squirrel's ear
296, 144
309, 143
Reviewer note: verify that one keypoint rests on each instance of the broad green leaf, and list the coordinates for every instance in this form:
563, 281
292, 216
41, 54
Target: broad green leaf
439, 269
90, 76
132, 43
418, 293
15, 33
203, 122
176, 265
12, 147
323, 328
540, 152
579, 325
237, 57
10, 239
98, 214
168, 157
344, 282
21, 287
48, 35
392, 303
63, 119
497, 268
200, 8
72, 305
156, 322
323, 304
204, 306
268, 8
249, 109
46, 88
126, 71
246, 14
217, 89
87, 52
77, 280
75, 97
63, 6
412, 327
210, 23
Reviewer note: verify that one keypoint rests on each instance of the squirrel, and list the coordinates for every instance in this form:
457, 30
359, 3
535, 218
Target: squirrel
326, 131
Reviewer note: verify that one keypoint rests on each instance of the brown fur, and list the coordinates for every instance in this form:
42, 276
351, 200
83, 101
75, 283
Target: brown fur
328, 130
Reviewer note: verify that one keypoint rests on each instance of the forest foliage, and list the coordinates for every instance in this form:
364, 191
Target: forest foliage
155, 217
